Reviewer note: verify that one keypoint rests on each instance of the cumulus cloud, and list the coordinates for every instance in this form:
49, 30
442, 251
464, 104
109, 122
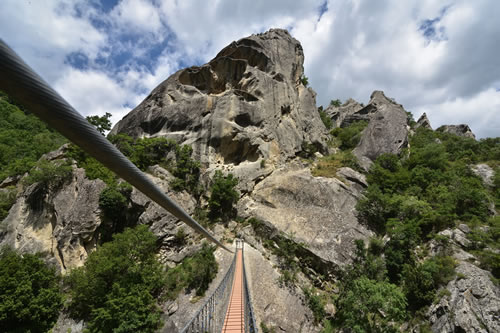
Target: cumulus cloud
433, 56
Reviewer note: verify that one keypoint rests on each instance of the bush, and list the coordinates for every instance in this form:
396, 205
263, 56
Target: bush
371, 306
113, 202
316, 304
304, 80
335, 102
327, 121
23, 138
349, 137
187, 171
102, 123
7, 199
49, 174
223, 195
194, 273
329, 165
116, 288
30, 299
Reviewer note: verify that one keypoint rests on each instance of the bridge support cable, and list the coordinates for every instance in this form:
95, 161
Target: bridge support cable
19, 81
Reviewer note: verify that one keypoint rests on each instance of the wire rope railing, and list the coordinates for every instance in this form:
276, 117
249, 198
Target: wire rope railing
249, 319
210, 316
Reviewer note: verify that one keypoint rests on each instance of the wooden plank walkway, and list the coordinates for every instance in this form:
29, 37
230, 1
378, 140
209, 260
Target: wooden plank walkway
234, 320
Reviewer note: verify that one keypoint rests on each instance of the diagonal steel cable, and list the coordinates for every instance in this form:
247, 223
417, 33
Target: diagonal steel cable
22, 83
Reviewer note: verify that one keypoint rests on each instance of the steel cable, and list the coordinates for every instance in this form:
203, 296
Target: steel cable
18, 80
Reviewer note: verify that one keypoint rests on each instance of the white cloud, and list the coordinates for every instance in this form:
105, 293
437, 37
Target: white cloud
355, 47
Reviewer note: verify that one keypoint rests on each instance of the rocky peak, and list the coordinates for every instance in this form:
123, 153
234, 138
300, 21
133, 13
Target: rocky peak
339, 113
245, 106
424, 122
460, 130
387, 130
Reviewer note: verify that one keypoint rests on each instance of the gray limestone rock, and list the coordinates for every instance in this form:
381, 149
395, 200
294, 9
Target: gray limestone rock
320, 212
424, 122
387, 131
485, 172
59, 222
338, 114
246, 105
460, 130
473, 304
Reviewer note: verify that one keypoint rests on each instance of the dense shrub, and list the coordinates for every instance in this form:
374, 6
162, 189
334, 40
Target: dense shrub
7, 199
30, 299
116, 288
223, 195
113, 202
194, 273
371, 306
348, 137
335, 102
23, 139
327, 121
49, 174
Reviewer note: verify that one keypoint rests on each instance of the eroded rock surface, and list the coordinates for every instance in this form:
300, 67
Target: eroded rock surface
460, 130
473, 304
387, 131
245, 106
346, 110
317, 211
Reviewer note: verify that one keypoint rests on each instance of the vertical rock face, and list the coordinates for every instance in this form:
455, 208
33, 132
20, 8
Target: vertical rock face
387, 131
246, 105
460, 130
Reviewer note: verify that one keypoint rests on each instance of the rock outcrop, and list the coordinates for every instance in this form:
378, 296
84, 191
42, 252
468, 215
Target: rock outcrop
460, 130
424, 122
245, 106
473, 304
339, 113
387, 130
320, 212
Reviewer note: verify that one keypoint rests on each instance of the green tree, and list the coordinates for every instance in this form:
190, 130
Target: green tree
101, 123
304, 80
223, 195
30, 299
371, 306
115, 290
335, 102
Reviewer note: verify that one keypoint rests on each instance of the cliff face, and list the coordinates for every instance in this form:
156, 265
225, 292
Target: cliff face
246, 106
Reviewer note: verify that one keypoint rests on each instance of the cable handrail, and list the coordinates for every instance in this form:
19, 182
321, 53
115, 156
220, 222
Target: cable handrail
250, 326
209, 317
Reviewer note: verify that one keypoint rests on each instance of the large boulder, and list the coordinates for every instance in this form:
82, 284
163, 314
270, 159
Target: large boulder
387, 130
245, 106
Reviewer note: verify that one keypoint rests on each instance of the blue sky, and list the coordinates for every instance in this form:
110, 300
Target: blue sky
438, 57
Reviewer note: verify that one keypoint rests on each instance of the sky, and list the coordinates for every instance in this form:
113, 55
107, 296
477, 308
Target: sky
438, 57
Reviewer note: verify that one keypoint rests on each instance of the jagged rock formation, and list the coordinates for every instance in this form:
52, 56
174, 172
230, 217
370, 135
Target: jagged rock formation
460, 130
60, 222
387, 131
338, 114
245, 106
424, 122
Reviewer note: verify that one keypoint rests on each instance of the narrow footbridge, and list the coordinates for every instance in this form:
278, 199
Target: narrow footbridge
229, 308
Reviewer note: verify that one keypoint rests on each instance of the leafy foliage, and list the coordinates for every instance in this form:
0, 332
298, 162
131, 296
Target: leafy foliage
348, 137
304, 80
23, 139
102, 123
335, 102
30, 299
116, 288
223, 195
7, 199
49, 174
327, 121
113, 201
194, 273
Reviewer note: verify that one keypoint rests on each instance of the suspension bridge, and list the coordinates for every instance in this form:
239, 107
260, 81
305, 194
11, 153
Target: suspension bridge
229, 308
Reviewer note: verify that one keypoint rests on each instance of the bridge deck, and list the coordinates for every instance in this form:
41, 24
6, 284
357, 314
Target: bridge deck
234, 320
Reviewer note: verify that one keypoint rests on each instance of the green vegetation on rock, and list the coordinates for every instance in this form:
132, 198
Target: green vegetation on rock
23, 139
223, 195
